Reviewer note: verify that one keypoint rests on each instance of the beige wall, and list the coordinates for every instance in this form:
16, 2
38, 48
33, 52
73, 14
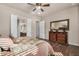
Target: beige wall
72, 15
5, 16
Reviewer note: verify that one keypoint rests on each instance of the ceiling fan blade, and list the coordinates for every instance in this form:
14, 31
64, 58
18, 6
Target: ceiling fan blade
42, 10
46, 5
34, 9
31, 4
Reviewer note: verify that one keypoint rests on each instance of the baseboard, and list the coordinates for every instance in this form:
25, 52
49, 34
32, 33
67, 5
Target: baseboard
75, 44
43, 39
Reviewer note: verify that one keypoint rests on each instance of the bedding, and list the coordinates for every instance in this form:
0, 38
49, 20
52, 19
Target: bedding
5, 43
25, 46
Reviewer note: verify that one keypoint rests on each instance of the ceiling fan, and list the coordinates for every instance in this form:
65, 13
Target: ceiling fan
39, 6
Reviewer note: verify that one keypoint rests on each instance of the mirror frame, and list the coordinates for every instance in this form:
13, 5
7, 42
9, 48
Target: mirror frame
60, 21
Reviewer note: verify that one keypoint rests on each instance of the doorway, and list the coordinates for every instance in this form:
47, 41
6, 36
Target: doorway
40, 29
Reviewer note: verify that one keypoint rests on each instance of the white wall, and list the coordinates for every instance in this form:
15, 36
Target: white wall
5, 17
72, 15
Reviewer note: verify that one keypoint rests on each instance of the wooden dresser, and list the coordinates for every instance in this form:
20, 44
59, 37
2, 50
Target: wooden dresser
60, 37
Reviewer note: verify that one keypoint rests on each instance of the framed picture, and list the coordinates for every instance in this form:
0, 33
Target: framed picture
60, 25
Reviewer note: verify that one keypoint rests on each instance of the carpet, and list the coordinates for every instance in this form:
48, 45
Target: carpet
59, 49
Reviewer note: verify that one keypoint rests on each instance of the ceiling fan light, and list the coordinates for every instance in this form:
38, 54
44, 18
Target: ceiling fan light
38, 7
37, 11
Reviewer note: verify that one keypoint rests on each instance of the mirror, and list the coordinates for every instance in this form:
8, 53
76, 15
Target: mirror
60, 25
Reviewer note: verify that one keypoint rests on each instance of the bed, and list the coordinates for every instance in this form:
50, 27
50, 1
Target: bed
25, 46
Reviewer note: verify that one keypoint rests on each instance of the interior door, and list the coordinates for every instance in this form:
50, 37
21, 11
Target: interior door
14, 31
29, 27
37, 29
42, 29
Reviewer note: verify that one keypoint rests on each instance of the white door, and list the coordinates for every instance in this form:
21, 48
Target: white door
14, 31
29, 26
42, 29
37, 29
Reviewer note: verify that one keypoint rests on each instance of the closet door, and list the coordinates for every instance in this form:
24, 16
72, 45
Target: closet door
14, 31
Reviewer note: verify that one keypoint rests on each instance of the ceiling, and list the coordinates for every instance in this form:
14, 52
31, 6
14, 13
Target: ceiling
54, 7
